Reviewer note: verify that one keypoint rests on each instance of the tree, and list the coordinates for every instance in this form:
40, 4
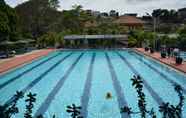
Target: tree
43, 16
54, 4
2, 2
8, 22
74, 19
132, 42
182, 38
166, 16
77, 8
4, 27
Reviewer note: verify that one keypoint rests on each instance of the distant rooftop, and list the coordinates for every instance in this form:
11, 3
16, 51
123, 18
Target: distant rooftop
129, 20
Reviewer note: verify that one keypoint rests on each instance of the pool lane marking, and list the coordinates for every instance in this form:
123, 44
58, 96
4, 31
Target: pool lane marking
170, 69
45, 105
36, 80
160, 73
120, 95
155, 96
87, 88
25, 72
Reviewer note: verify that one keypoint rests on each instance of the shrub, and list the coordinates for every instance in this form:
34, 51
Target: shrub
179, 60
163, 54
132, 42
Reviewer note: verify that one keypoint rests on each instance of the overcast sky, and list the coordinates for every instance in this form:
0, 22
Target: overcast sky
123, 6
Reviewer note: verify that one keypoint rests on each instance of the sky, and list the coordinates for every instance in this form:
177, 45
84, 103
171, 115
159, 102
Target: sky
122, 6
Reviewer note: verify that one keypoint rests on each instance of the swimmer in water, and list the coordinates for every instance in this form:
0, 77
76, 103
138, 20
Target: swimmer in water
108, 96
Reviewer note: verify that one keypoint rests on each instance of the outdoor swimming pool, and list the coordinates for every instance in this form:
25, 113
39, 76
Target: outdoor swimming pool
84, 78
183, 55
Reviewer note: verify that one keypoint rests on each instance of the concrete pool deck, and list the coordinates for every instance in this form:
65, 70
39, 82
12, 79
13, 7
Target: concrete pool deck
167, 61
11, 63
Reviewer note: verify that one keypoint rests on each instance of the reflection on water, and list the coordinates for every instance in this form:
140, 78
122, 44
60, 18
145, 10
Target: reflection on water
106, 109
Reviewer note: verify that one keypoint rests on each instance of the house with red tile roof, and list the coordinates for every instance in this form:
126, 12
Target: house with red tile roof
130, 22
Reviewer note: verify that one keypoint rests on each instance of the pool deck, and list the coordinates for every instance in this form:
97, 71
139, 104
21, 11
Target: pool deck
19, 60
168, 61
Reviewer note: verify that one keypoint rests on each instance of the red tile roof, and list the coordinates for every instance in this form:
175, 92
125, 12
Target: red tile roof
128, 20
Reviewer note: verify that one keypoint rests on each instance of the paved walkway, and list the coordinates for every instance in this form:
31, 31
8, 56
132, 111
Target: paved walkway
14, 62
167, 61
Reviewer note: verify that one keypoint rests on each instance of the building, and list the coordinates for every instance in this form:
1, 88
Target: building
182, 14
113, 13
88, 12
96, 41
96, 13
148, 23
104, 14
130, 22
92, 13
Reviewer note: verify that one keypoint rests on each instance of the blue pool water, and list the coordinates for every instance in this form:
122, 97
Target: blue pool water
183, 55
85, 77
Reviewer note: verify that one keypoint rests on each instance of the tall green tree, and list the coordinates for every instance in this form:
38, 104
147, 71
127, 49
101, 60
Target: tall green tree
54, 4
182, 38
2, 2
74, 19
8, 22
39, 16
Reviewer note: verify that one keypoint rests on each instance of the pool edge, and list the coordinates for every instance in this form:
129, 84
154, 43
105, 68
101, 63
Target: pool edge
161, 62
25, 63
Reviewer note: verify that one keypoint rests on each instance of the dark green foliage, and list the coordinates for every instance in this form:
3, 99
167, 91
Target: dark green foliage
182, 38
30, 100
173, 111
140, 37
168, 16
179, 60
138, 84
54, 4
127, 110
8, 23
168, 110
74, 111
2, 2
7, 111
43, 17
163, 54
132, 42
